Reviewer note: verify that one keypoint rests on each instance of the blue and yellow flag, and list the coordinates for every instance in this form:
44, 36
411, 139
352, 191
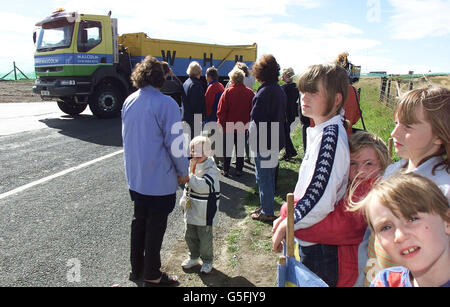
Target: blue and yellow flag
296, 274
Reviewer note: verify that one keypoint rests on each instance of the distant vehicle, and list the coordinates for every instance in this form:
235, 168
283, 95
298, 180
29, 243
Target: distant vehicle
354, 73
81, 60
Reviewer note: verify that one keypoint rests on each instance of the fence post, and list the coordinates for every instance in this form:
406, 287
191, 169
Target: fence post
388, 96
383, 88
410, 80
15, 72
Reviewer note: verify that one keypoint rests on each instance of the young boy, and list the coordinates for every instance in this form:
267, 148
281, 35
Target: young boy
410, 217
323, 174
200, 202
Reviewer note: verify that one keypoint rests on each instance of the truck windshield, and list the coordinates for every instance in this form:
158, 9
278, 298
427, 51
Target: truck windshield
55, 35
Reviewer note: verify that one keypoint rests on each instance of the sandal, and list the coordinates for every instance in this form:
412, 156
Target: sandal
262, 217
165, 281
256, 211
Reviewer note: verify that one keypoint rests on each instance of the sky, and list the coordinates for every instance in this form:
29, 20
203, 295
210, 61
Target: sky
396, 36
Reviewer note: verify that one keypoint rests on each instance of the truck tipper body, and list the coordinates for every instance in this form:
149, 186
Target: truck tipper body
81, 60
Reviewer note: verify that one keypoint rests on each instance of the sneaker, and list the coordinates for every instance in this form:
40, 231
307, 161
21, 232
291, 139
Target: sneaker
190, 263
206, 268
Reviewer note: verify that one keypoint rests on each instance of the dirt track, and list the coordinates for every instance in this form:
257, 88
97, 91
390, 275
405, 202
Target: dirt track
17, 91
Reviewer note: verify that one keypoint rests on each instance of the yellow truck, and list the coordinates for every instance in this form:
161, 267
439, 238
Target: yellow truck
81, 60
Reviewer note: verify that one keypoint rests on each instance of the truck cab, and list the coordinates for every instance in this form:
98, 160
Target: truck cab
77, 62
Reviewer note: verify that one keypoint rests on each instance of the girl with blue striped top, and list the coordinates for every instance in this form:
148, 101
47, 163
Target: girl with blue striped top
323, 174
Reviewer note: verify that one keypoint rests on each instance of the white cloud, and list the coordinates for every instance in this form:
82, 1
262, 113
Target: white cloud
416, 19
265, 22
17, 41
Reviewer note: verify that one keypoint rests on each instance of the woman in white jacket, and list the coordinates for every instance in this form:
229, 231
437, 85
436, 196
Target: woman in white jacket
200, 203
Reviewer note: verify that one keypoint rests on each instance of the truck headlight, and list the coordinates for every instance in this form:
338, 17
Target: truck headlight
67, 82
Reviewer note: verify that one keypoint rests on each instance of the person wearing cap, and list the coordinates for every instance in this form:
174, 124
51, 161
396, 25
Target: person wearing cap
292, 95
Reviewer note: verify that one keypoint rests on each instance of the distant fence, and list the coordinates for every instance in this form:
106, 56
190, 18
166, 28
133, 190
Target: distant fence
392, 87
15, 74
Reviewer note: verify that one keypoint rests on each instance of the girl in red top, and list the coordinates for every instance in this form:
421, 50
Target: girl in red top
368, 160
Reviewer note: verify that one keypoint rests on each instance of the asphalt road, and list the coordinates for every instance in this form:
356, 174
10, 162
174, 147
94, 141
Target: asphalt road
65, 211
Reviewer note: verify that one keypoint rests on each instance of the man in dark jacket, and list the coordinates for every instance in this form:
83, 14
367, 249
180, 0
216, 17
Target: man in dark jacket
193, 99
292, 95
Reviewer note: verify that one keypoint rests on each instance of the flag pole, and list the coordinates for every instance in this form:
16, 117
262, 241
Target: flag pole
290, 226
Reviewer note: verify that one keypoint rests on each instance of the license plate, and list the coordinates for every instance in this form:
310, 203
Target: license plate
45, 93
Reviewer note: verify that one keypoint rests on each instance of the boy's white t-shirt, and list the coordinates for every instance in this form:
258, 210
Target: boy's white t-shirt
323, 175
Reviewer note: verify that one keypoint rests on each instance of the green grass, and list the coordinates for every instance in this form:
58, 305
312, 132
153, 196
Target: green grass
378, 117
233, 246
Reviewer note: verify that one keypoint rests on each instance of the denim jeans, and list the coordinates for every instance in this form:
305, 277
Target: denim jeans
265, 178
322, 260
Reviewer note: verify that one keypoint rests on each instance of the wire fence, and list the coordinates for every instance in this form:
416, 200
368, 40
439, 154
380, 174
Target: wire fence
394, 86
16, 74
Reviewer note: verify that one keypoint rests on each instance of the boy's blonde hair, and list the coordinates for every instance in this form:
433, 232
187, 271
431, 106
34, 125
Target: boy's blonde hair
436, 106
201, 144
194, 69
363, 139
406, 195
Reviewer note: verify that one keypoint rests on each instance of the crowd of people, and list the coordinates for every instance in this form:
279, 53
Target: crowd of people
358, 219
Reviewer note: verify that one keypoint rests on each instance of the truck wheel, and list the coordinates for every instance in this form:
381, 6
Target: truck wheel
70, 107
106, 102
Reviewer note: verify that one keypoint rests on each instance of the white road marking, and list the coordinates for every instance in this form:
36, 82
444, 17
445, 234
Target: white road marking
59, 174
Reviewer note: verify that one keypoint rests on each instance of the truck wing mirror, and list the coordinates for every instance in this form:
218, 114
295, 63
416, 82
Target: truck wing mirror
34, 37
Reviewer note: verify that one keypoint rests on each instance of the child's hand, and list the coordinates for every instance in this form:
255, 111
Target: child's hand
276, 223
183, 180
193, 165
278, 236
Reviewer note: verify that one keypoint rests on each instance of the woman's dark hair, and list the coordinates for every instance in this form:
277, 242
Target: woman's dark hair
266, 69
213, 73
148, 72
